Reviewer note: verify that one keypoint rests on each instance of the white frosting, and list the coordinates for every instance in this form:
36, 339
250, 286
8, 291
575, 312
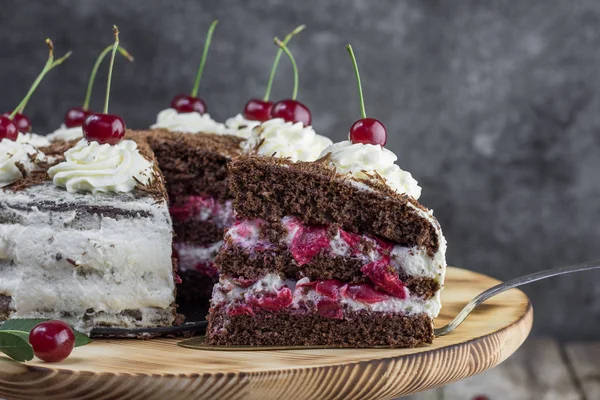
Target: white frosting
192, 122
61, 262
94, 167
278, 138
66, 134
363, 161
33, 139
11, 153
240, 126
226, 293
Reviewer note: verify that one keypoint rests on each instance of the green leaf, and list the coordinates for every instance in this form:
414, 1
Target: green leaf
21, 324
27, 324
15, 345
81, 339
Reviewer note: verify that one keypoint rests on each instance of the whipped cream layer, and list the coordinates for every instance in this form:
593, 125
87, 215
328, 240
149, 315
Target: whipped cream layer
193, 257
368, 162
278, 138
94, 167
329, 298
66, 134
102, 260
33, 139
306, 242
192, 122
16, 158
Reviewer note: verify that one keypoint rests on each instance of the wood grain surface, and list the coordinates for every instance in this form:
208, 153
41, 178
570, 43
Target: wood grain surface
159, 369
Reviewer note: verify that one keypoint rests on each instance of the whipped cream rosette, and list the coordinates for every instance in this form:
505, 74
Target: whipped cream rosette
95, 167
365, 161
294, 141
66, 134
17, 158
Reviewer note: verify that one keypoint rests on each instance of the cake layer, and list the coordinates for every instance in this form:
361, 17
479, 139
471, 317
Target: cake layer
329, 298
270, 188
92, 260
194, 164
296, 328
274, 311
256, 247
200, 219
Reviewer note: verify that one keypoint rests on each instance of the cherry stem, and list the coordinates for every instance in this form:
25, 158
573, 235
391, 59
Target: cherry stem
88, 93
110, 68
294, 66
49, 65
203, 60
276, 61
363, 112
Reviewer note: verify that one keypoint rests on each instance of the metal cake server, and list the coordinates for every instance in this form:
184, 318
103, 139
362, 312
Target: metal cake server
511, 284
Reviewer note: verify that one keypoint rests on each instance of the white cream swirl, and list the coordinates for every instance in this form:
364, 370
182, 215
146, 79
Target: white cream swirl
188, 122
94, 167
362, 161
33, 139
240, 126
66, 134
13, 153
278, 138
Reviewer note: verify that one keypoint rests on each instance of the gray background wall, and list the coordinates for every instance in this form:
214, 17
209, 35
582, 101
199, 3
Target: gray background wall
491, 105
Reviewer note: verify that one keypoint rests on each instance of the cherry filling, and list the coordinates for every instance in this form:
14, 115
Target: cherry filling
325, 297
204, 208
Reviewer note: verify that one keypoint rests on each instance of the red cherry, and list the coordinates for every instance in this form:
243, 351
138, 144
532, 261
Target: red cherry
364, 293
76, 116
183, 103
368, 131
52, 341
384, 277
277, 301
21, 121
329, 308
104, 128
308, 242
291, 111
8, 129
330, 288
242, 309
258, 110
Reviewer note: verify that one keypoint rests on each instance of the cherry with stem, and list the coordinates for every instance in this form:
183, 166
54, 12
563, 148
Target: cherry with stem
75, 116
183, 103
260, 110
365, 130
10, 124
291, 110
106, 128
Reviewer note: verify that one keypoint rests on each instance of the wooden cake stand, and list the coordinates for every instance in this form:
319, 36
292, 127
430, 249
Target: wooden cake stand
159, 369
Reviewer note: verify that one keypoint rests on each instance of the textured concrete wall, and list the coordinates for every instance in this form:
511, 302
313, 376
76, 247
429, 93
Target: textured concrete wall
491, 105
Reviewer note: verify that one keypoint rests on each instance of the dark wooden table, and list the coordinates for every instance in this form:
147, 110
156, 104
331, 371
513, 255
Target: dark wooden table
542, 369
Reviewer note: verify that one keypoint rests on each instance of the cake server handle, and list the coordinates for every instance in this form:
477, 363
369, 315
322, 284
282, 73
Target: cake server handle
513, 283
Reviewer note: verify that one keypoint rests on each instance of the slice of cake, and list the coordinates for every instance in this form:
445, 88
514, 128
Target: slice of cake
92, 248
336, 252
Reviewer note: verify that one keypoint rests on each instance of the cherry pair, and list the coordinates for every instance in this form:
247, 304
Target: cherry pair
290, 110
14, 122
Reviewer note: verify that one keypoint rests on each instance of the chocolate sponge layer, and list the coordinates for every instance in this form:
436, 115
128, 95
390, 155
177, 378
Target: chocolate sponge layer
270, 188
297, 328
235, 261
194, 164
